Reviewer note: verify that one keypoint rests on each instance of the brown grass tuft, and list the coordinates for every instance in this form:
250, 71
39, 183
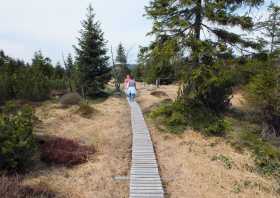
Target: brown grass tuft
85, 110
11, 187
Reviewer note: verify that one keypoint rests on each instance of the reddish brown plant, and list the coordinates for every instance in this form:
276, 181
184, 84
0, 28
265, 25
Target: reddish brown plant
64, 151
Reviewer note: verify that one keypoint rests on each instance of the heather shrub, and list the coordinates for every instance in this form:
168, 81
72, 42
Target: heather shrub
17, 144
70, 99
62, 151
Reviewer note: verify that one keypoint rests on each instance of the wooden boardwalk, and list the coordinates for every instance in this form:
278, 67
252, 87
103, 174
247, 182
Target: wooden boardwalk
145, 180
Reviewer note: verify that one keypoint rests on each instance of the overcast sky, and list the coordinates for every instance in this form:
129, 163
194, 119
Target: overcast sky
52, 26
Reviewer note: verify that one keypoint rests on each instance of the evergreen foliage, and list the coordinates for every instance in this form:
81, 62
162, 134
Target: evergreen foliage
207, 86
30, 82
160, 61
120, 68
270, 28
263, 94
121, 56
91, 57
72, 74
17, 144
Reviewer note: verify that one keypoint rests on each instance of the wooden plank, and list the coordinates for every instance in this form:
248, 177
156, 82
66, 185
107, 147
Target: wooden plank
144, 175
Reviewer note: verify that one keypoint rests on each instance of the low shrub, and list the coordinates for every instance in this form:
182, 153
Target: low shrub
175, 117
11, 187
17, 144
171, 116
70, 99
216, 127
56, 150
205, 120
267, 156
263, 94
32, 85
85, 110
228, 163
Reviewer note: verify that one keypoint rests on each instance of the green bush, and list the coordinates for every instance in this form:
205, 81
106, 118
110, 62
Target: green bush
171, 116
17, 144
216, 128
36, 86
263, 94
210, 87
175, 117
206, 97
267, 156
58, 84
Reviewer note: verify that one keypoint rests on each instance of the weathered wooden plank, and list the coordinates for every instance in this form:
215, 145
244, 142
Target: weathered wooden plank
144, 175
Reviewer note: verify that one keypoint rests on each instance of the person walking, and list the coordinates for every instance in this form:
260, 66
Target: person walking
126, 84
131, 90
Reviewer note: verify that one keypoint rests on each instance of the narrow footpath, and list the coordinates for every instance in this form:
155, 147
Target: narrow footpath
145, 180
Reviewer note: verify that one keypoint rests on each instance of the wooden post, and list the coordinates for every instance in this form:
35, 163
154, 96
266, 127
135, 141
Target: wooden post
157, 83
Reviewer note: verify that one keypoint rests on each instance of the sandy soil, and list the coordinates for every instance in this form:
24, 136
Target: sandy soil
108, 130
187, 165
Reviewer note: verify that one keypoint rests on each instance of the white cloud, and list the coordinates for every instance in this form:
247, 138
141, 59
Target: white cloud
52, 26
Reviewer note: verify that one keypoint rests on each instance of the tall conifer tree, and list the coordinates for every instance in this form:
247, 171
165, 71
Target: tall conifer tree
204, 31
121, 69
204, 28
121, 56
91, 56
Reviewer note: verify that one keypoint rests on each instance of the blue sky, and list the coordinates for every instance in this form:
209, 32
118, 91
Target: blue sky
52, 26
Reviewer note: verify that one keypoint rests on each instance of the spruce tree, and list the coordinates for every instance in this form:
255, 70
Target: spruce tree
270, 28
91, 56
43, 64
202, 28
69, 66
121, 56
71, 73
121, 69
204, 31
59, 71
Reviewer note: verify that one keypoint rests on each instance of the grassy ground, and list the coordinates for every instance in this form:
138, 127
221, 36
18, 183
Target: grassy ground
196, 166
107, 129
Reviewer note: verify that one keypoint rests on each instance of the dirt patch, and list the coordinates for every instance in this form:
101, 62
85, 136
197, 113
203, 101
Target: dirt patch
194, 166
109, 131
148, 101
159, 94
238, 100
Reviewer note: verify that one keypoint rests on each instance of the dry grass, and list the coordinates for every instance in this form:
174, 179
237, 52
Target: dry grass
11, 187
108, 131
187, 165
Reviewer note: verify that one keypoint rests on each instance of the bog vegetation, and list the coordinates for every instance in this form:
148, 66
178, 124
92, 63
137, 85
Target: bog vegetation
25, 85
196, 45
